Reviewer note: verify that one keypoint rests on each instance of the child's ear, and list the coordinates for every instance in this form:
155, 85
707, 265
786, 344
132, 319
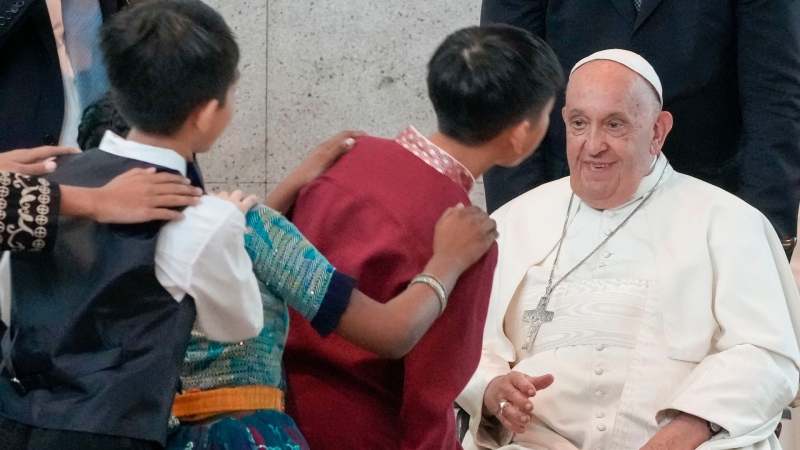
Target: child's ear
519, 137
204, 117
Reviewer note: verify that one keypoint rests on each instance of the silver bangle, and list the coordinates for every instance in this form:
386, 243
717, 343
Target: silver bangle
436, 285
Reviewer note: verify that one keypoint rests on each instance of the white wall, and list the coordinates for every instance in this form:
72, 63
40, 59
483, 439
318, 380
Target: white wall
311, 68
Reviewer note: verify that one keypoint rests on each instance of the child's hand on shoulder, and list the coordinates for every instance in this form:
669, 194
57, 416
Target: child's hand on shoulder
239, 200
323, 157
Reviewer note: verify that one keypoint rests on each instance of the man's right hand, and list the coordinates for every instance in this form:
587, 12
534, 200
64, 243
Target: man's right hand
516, 390
138, 195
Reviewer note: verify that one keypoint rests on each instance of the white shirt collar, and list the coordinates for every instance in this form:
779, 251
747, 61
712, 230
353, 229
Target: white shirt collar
159, 156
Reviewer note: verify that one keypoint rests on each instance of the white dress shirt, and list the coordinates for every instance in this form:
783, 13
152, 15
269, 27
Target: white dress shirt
72, 105
690, 301
202, 255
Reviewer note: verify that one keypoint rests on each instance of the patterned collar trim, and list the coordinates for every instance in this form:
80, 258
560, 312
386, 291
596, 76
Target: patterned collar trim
435, 157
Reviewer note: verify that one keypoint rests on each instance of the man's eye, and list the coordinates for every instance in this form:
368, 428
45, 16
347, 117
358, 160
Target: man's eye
614, 125
577, 123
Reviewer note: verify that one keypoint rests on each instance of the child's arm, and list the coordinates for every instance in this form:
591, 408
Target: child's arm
392, 329
294, 270
283, 197
203, 256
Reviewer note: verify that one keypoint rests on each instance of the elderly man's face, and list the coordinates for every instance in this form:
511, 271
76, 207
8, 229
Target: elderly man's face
612, 117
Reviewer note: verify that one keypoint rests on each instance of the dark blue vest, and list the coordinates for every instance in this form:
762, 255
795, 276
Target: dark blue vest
95, 343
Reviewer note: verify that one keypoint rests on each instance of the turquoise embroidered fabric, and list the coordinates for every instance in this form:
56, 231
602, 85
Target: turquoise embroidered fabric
290, 272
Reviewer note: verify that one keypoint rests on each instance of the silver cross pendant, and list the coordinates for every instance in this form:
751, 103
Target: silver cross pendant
536, 317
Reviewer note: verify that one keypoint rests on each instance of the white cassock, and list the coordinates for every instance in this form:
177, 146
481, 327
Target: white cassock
690, 307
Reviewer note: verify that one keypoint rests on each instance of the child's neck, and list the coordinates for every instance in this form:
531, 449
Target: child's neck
476, 159
175, 143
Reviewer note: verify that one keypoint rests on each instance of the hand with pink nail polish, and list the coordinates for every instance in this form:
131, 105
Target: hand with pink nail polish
33, 161
321, 159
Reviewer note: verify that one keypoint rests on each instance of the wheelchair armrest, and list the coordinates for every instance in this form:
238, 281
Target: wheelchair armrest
788, 246
462, 422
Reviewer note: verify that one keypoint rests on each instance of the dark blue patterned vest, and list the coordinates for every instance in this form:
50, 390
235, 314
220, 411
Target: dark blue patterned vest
95, 343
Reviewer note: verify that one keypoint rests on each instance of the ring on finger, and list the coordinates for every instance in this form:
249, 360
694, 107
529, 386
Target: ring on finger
502, 407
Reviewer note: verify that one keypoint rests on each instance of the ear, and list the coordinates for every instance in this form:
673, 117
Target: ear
518, 137
204, 117
661, 129
564, 114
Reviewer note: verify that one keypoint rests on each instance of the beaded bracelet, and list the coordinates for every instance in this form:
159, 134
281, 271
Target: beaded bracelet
436, 285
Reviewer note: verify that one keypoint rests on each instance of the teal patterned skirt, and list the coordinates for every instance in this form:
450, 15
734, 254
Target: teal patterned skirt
264, 430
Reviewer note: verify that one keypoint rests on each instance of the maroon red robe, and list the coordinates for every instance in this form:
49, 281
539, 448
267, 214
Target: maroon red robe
373, 215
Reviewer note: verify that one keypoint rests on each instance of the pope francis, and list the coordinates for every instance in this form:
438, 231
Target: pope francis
633, 307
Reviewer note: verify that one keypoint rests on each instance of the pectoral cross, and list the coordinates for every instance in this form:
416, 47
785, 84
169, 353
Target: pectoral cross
536, 317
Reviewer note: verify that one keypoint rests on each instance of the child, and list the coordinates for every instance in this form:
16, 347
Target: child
99, 326
372, 215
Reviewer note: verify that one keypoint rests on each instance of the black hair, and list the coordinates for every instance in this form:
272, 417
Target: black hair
97, 118
166, 58
482, 80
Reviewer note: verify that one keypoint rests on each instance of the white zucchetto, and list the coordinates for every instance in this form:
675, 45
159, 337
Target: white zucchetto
629, 59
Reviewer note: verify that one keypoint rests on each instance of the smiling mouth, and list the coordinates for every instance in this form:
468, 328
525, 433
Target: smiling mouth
598, 166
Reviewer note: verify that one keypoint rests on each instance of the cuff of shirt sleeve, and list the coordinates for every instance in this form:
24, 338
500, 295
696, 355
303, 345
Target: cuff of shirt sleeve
336, 299
712, 390
36, 211
52, 217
